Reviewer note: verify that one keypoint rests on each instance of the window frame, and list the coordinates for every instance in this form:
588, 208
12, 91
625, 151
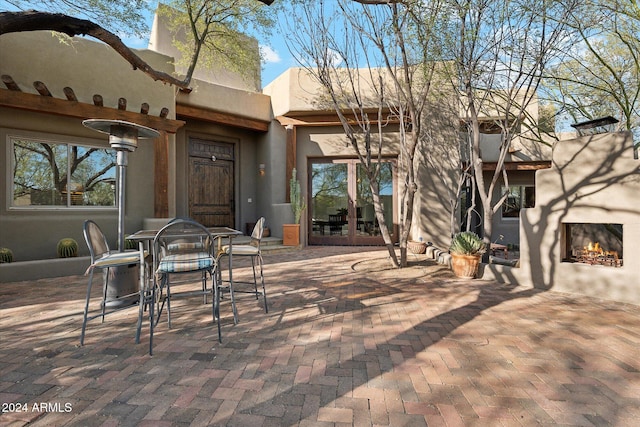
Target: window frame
522, 188
47, 138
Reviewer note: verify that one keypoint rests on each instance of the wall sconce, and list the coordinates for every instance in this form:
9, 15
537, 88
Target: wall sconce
261, 169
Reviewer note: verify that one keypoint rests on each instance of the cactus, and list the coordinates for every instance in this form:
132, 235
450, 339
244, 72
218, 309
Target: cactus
130, 244
467, 243
297, 204
67, 248
6, 256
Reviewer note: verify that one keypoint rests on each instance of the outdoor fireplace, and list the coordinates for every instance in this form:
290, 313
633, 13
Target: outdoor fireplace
594, 244
589, 195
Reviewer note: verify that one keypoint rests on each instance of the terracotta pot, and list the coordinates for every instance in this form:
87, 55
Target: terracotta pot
465, 266
291, 234
417, 247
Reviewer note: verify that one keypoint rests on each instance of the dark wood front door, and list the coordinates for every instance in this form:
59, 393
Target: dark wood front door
211, 183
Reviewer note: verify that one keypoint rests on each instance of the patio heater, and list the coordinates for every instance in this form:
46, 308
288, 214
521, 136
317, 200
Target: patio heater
123, 137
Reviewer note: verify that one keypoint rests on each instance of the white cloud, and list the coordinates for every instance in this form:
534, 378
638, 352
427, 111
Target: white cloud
269, 56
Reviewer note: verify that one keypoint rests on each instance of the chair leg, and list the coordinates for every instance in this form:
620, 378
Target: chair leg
204, 287
104, 293
264, 290
151, 314
168, 299
158, 300
216, 302
255, 279
86, 307
142, 302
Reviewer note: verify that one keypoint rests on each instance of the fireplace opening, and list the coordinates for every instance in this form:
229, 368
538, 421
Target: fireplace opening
594, 244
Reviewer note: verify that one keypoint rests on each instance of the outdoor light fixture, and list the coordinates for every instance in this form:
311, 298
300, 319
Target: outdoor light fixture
261, 170
123, 137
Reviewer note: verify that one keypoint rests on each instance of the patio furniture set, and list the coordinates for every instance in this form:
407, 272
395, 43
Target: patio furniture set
181, 247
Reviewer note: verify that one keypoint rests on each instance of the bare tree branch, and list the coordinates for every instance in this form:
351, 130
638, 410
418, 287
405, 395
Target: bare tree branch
32, 20
13, 22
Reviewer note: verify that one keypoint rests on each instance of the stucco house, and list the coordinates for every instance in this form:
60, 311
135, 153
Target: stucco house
224, 157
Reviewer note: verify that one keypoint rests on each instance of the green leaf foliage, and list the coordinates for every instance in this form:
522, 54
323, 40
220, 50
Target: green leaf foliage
467, 243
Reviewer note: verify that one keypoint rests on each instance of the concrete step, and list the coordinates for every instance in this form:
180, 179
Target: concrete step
269, 244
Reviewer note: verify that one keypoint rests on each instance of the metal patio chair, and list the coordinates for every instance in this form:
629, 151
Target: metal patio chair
182, 247
103, 258
254, 252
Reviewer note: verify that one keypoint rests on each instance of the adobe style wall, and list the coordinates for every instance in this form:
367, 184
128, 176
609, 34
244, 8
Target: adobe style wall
593, 179
89, 68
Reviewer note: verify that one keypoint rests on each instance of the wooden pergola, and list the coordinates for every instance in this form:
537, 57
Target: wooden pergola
44, 102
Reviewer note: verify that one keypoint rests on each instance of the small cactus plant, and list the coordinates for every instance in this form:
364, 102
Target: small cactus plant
130, 244
67, 248
297, 203
6, 256
467, 243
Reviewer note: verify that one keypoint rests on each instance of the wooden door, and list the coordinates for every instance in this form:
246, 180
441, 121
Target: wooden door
211, 182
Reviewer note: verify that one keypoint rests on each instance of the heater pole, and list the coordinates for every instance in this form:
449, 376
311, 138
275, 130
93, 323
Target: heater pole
121, 163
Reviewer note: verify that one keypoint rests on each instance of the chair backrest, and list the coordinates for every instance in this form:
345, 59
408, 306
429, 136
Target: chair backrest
181, 236
258, 229
96, 241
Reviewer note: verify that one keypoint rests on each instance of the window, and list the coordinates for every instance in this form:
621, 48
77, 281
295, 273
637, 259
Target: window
519, 197
48, 173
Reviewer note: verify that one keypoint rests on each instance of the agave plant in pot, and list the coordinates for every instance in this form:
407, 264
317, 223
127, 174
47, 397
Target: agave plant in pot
466, 250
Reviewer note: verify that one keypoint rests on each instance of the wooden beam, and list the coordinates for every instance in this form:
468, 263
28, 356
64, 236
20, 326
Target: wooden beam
70, 94
518, 166
42, 88
207, 115
9, 83
161, 176
326, 120
62, 107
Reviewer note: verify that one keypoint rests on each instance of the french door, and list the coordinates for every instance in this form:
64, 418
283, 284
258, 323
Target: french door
341, 210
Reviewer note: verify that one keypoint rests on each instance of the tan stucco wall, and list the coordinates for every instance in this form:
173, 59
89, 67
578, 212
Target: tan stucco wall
296, 93
594, 179
89, 68
295, 90
242, 103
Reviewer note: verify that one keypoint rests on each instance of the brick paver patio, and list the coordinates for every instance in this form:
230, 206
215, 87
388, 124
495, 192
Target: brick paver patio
346, 342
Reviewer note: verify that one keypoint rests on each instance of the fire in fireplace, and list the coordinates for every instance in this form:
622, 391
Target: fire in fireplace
594, 244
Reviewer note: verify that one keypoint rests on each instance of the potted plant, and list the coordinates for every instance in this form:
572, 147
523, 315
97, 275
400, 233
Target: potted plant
291, 232
466, 250
417, 247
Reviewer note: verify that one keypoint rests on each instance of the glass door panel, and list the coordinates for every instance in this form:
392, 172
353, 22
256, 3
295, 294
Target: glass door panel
366, 221
329, 200
341, 204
